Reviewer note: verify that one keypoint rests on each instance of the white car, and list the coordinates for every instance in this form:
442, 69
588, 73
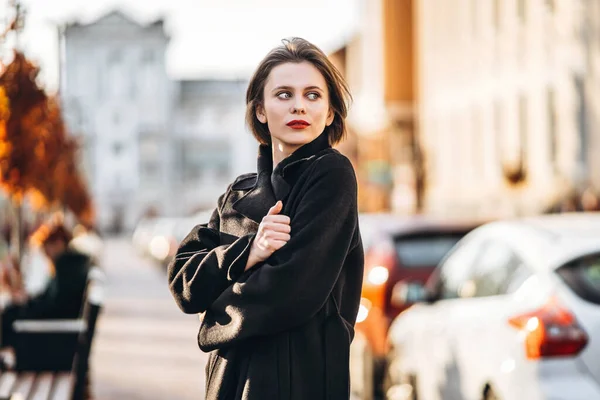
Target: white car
512, 313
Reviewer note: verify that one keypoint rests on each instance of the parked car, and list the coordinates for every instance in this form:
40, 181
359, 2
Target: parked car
180, 229
512, 313
142, 234
397, 249
158, 238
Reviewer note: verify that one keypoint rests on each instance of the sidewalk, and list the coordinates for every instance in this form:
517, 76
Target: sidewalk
145, 348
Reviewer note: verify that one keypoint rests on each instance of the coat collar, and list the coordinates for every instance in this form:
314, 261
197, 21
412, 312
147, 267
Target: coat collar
273, 185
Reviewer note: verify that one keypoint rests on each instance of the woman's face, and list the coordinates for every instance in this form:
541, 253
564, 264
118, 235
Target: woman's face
296, 106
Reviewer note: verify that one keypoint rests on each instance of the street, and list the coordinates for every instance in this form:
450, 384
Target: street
145, 347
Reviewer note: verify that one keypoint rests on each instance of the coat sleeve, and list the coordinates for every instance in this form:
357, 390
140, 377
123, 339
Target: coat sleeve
295, 282
203, 267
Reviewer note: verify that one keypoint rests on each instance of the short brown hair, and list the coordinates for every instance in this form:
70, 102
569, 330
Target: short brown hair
50, 232
297, 50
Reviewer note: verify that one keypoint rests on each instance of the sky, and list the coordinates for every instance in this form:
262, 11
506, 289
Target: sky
209, 38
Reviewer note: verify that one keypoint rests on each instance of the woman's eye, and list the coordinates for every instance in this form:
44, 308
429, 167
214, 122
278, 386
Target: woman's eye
313, 95
284, 95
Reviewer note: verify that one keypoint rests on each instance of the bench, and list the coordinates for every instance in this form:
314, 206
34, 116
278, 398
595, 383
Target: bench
40, 376
36, 386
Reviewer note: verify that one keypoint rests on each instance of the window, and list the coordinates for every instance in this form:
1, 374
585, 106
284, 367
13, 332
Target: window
148, 78
204, 158
115, 57
497, 14
424, 251
519, 274
150, 172
478, 148
100, 82
583, 277
88, 159
116, 119
523, 128
498, 133
116, 74
581, 122
133, 86
150, 157
117, 148
522, 10
497, 270
148, 56
475, 16
457, 269
149, 148
552, 131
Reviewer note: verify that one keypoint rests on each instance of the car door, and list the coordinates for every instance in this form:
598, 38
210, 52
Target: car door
431, 350
481, 338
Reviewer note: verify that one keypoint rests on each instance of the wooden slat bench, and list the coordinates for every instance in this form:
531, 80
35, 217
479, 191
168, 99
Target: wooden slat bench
34, 380
36, 386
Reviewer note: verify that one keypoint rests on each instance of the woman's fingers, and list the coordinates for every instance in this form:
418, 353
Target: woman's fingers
270, 226
278, 219
277, 236
276, 209
273, 232
273, 241
270, 237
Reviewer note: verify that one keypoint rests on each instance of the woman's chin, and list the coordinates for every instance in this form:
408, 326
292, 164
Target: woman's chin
297, 138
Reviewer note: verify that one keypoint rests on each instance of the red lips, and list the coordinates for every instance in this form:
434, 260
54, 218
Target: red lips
298, 124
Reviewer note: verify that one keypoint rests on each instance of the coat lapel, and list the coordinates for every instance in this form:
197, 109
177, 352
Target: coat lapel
272, 186
256, 203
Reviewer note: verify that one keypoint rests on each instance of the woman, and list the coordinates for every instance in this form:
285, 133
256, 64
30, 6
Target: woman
63, 296
276, 274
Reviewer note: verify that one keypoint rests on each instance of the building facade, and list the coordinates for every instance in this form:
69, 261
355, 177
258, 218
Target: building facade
474, 107
151, 145
591, 34
501, 106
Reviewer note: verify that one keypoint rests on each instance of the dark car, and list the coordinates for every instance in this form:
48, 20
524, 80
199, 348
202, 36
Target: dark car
397, 249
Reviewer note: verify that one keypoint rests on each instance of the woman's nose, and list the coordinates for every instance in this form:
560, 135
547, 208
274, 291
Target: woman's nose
298, 108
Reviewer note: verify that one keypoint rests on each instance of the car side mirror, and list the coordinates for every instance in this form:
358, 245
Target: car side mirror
407, 293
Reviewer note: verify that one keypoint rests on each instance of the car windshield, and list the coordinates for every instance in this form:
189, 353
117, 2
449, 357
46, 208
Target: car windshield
425, 251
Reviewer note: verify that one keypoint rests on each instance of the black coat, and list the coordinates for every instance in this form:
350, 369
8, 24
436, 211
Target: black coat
63, 296
281, 330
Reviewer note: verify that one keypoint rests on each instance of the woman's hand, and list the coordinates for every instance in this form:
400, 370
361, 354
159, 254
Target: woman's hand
273, 233
19, 296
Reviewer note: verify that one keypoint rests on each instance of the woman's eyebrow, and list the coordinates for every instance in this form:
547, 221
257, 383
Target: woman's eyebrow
291, 88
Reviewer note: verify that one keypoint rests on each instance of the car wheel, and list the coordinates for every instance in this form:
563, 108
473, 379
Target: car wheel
413, 385
489, 394
402, 391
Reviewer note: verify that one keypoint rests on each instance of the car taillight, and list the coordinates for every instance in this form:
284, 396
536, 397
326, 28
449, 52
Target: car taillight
550, 331
380, 264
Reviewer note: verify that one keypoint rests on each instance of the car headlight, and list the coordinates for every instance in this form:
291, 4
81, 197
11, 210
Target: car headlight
378, 275
159, 247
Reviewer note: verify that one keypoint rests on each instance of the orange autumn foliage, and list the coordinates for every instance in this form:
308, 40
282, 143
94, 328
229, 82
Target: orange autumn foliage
37, 157
17, 166
61, 184
4, 114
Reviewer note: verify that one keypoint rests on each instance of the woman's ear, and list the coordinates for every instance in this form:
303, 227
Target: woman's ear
330, 117
260, 114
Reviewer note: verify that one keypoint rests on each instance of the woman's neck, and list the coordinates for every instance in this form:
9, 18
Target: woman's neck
281, 152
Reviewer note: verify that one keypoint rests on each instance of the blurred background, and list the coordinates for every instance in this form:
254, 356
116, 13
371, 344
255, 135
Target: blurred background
127, 119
